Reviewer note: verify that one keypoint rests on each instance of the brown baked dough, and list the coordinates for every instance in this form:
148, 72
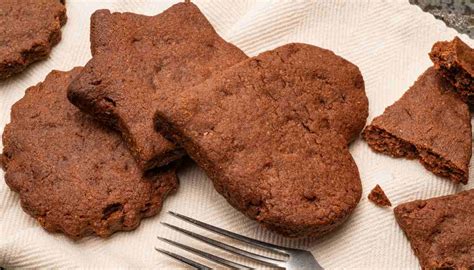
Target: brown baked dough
272, 133
28, 31
377, 196
428, 123
73, 175
135, 59
454, 60
440, 230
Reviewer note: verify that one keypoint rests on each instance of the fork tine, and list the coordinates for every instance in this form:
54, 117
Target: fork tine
210, 257
278, 249
256, 257
192, 263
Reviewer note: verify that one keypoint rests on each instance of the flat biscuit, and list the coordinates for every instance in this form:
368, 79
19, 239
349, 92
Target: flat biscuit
455, 61
440, 230
73, 175
28, 30
136, 58
428, 123
272, 133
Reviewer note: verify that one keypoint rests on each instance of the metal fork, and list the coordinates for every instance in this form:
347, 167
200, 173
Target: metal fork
293, 258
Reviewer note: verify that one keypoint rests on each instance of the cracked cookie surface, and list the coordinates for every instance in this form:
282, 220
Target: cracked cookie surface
272, 133
72, 174
29, 29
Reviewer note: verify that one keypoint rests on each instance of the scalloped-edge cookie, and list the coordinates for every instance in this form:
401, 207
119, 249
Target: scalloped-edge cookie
74, 175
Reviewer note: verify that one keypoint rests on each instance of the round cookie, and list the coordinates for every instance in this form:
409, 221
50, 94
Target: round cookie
29, 28
72, 174
272, 134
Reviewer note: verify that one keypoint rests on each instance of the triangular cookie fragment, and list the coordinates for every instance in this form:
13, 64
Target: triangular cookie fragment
135, 59
428, 123
440, 230
455, 61
377, 196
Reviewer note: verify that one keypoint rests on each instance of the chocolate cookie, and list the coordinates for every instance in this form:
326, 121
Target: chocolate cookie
72, 174
137, 58
272, 133
455, 61
440, 230
29, 28
428, 123
377, 196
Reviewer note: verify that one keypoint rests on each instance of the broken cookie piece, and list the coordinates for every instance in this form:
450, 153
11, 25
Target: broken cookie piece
429, 123
454, 60
440, 230
377, 196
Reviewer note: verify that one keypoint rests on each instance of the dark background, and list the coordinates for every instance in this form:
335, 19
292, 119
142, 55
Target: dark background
458, 14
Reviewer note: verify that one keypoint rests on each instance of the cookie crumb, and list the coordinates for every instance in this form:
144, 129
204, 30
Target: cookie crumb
377, 196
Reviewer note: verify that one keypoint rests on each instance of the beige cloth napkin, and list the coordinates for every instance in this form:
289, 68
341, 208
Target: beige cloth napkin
388, 40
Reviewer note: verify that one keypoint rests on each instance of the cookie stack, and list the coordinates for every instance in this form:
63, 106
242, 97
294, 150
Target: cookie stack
95, 149
431, 122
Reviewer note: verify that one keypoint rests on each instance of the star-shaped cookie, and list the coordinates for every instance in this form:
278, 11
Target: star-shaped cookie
136, 59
